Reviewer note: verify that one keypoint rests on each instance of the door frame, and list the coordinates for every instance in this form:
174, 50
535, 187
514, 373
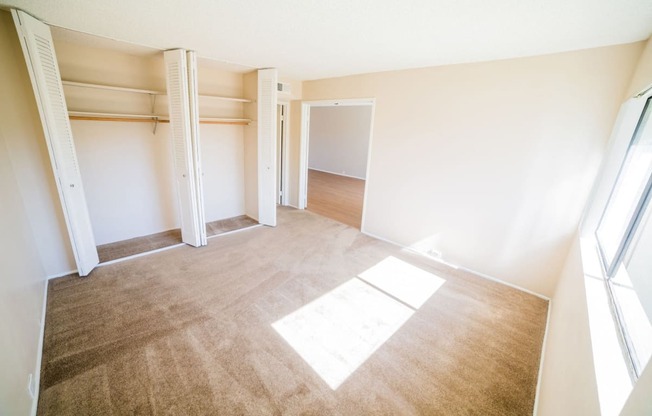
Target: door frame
304, 145
285, 155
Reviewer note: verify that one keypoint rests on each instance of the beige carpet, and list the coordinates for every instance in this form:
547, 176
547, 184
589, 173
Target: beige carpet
138, 245
297, 319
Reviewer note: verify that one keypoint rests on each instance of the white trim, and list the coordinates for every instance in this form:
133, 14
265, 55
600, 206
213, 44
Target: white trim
495, 279
285, 156
305, 144
366, 186
57, 275
455, 266
613, 157
39, 354
343, 102
337, 174
535, 412
303, 155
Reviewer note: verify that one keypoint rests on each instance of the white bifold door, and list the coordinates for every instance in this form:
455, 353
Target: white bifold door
38, 49
267, 100
181, 71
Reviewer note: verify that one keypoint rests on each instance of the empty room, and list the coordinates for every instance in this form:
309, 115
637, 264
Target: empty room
326, 208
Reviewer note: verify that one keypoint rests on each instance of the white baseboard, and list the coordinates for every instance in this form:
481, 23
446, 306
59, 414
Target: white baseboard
455, 266
39, 355
338, 174
54, 276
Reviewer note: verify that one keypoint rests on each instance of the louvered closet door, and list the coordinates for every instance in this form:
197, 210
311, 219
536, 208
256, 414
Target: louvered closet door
195, 141
36, 41
180, 132
267, 80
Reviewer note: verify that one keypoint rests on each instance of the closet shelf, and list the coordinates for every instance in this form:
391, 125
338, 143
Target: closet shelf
149, 92
220, 97
216, 120
111, 88
85, 115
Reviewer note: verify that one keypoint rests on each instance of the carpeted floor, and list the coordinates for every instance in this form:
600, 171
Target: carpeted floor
138, 245
310, 317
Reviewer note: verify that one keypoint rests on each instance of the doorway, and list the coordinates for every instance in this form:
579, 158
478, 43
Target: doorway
335, 146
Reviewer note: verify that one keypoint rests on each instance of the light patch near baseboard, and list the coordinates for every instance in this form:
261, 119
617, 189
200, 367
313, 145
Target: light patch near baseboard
336, 333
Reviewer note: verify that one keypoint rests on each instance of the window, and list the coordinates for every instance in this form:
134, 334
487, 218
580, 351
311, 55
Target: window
624, 239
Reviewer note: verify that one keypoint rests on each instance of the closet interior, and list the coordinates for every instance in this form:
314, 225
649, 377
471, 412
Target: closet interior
119, 111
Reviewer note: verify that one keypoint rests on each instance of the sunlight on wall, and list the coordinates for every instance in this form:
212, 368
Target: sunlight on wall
340, 330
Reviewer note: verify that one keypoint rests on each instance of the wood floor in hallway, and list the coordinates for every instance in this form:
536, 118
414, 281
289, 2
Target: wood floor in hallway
339, 198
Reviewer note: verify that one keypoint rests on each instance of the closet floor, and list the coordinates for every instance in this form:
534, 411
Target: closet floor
138, 245
126, 248
229, 224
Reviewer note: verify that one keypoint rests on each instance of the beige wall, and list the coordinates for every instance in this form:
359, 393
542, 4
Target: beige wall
339, 139
22, 275
569, 385
642, 77
489, 164
222, 145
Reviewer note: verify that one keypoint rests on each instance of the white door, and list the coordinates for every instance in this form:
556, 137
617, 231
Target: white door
181, 134
36, 42
193, 95
267, 197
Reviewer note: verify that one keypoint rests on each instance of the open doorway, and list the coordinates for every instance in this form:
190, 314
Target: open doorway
336, 138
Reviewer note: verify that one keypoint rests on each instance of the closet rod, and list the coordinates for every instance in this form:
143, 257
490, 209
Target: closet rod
148, 118
129, 120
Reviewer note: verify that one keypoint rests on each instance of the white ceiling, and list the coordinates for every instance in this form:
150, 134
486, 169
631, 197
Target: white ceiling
312, 39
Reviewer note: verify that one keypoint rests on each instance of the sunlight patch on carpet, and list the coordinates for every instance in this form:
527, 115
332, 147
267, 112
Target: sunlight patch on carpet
340, 330
402, 280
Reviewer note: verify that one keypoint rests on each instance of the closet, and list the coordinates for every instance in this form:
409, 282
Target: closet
118, 129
